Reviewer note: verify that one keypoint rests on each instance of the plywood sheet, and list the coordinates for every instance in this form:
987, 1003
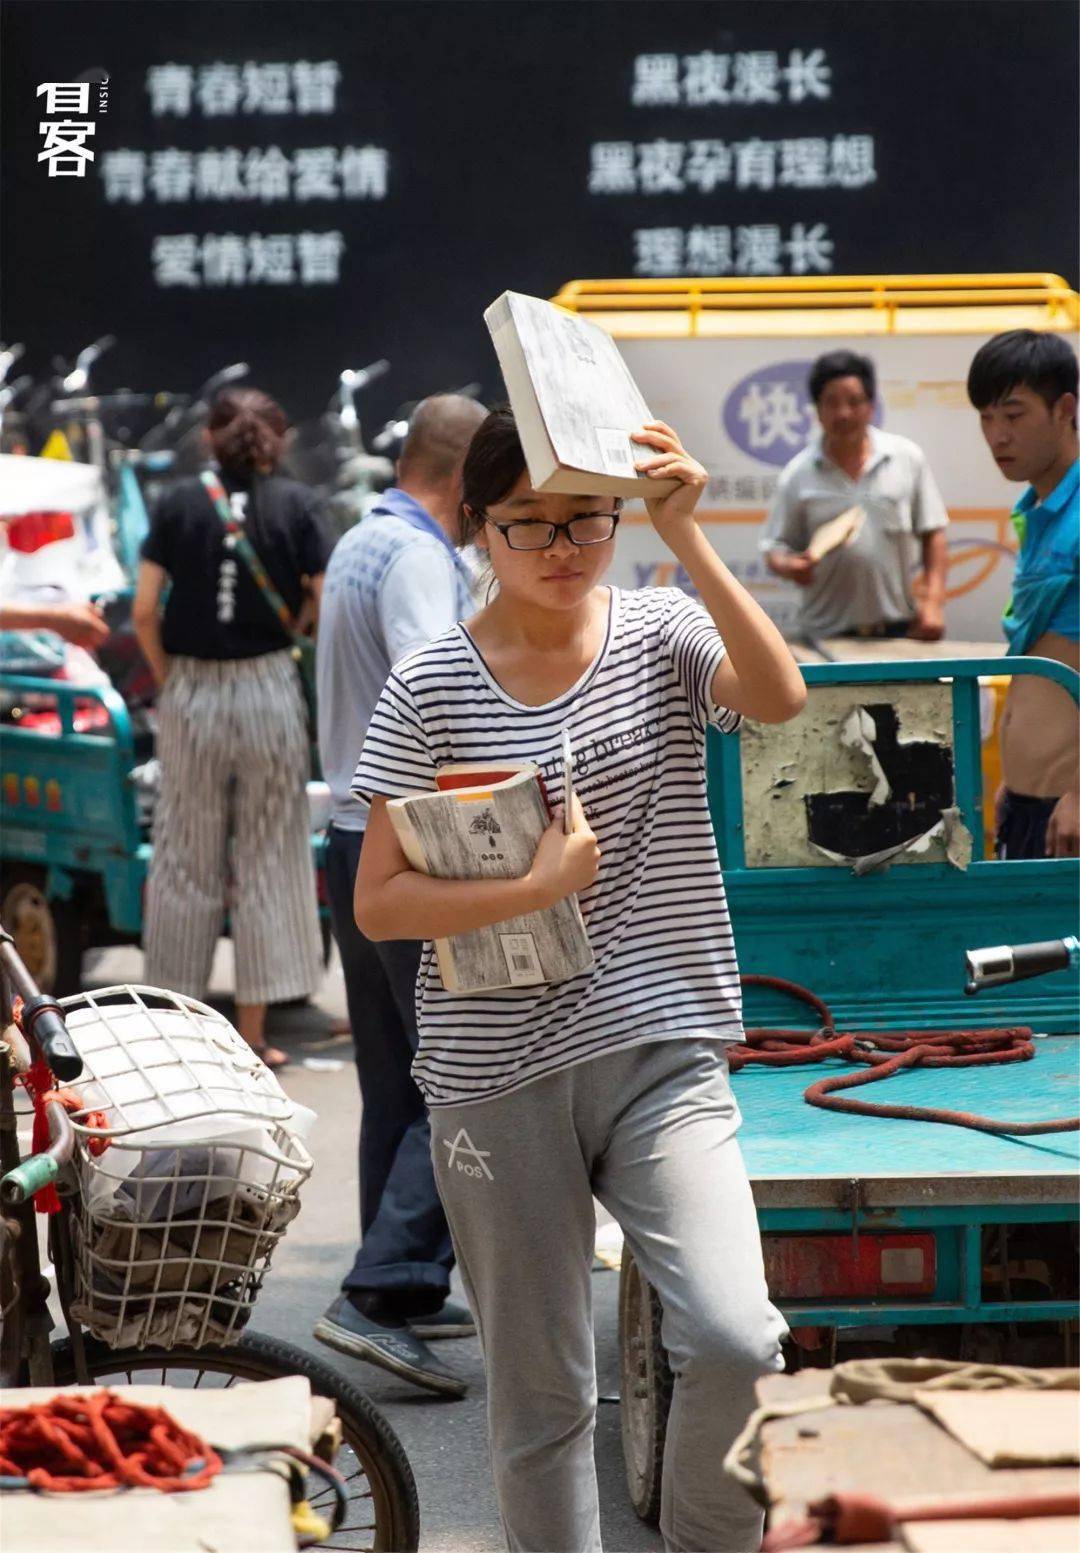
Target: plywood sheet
1010, 1428
891, 1450
1048, 1534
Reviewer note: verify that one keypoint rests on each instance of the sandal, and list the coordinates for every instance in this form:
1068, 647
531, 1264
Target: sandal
272, 1056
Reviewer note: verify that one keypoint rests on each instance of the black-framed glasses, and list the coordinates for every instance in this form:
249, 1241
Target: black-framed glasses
584, 528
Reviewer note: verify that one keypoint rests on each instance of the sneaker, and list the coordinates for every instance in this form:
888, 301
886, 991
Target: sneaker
451, 1320
397, 1349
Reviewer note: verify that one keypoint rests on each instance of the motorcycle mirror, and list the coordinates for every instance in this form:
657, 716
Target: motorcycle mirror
219, 380
9, 355
90, 353
11, 391
393, 431
355, 380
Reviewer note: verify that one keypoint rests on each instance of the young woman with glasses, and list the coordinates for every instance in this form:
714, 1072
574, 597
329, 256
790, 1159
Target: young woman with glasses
613, 1084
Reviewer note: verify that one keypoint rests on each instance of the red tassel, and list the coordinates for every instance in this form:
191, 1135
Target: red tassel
39, 1080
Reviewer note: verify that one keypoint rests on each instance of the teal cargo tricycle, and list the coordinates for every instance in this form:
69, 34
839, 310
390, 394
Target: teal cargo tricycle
853, 852
75, 844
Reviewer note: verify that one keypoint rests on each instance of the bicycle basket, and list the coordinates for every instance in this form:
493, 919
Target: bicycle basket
178, 1216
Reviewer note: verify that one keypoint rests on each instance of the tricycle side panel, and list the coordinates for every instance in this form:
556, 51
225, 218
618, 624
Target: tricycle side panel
884, 949
68, 803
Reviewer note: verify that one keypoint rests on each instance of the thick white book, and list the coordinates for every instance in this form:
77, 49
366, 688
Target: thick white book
573, 398
486, 822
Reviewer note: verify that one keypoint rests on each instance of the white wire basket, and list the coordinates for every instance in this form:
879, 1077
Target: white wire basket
178, 1217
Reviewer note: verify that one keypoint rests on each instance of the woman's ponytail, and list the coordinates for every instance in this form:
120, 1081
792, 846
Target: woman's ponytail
247, 431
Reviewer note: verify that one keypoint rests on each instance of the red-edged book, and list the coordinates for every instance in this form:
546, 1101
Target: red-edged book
485, 822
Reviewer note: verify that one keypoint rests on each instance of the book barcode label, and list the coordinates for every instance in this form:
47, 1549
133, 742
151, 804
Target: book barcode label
616, 452
522, 960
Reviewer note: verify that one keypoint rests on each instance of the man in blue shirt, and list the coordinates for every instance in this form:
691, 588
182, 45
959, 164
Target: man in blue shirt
1024, 386
393, 583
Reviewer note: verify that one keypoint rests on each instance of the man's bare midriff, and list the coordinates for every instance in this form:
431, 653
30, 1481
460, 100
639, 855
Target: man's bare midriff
1040, 752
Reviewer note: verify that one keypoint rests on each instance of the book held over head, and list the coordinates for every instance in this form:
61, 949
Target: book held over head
574, 401
485, 822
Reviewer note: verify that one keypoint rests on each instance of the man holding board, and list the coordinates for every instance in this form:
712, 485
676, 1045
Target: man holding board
848, 513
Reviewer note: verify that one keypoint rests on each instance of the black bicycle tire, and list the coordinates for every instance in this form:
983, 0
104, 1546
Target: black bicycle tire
643, 1430
257, 1356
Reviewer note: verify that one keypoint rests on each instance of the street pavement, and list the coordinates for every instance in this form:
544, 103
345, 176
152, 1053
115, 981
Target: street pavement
446, 1440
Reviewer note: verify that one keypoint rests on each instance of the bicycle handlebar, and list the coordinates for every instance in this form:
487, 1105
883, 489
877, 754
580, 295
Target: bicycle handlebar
42, 1017
20, 1184
1018, 962
41, 1169
47, 1027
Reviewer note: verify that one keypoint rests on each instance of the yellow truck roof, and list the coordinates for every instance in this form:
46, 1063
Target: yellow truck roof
785, 306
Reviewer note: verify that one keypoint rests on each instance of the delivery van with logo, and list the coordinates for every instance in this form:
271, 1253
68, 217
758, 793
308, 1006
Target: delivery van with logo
726, 362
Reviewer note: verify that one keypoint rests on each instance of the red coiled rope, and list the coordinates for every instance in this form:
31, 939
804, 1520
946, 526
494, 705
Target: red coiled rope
73, 1443
885, 1053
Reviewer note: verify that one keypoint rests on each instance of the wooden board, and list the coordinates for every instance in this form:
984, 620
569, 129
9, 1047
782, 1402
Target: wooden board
898, 649
891, 1450
1010, 1428
1053, 1534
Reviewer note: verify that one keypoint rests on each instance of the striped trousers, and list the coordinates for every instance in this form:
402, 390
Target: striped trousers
231, 831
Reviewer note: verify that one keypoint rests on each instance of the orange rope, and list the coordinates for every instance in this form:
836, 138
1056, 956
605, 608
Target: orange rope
73, 1443
97, 1119
38, 1081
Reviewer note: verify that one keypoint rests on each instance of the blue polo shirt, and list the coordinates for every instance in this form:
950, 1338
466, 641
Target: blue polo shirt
1046, 584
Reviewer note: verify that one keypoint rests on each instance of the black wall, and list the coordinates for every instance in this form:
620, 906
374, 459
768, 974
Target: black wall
488, 111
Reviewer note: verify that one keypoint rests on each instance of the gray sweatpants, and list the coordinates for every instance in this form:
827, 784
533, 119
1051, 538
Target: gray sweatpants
649, 1131
232, 830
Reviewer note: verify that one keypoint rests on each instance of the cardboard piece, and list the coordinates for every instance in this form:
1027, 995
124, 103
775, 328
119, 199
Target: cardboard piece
1010, 1428
842, 530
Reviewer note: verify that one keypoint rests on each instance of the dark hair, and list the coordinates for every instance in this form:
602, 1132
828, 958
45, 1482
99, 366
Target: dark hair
247, 429
493, 465
836, 364
1022, 358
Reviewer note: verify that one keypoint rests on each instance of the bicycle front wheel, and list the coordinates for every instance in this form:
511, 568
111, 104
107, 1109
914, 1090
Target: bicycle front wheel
382, 1514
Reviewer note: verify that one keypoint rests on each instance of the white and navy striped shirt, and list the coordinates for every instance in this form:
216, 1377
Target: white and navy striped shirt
657, 915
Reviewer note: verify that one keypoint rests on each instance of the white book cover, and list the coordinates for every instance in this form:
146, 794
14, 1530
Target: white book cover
491, 831
573, 398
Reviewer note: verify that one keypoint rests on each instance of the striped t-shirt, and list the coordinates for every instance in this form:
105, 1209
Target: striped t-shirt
656, 915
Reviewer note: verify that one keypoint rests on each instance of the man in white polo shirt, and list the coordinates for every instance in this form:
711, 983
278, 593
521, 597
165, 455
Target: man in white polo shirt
867, 587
